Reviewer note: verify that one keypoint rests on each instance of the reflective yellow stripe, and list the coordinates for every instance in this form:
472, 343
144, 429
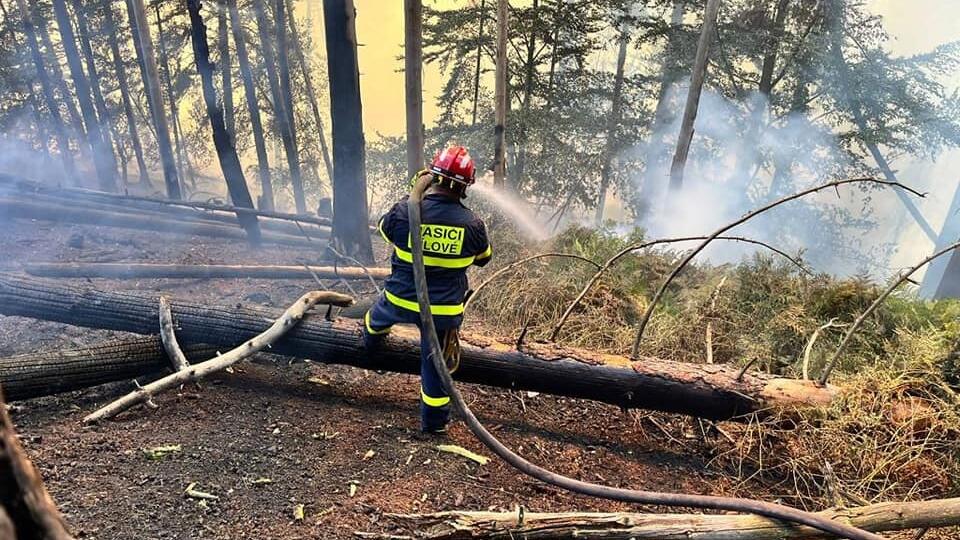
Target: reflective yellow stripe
370, 330
462, 262
380, 228
433, 401
436, 309
487, 253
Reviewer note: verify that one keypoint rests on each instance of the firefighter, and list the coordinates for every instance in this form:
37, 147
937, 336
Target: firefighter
454, 238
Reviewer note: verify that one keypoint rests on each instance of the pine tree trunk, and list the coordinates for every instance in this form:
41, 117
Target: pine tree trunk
151, 83
413, 68
350, 213
183, 164
613, 126
106, 171
476, 74
253, 106
63, 142
226, 153
311, 94
226, 78
501, 97
283, 63
41, 25
103, 114
693, 97
121, 74
528, 80
276, 96
657, 148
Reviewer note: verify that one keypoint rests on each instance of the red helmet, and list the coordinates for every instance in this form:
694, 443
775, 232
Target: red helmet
454, 164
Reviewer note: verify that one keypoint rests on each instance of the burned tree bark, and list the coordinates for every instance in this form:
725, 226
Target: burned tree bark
279, 106
151, 82
103, 114
26, 510
253, 106
226, 77
708, 391
121, 74
47, 87
46, 373
226, 152
66, 97
102, 154
693, 96
350, 213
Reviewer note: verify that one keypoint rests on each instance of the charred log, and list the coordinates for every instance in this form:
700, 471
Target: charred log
708, 391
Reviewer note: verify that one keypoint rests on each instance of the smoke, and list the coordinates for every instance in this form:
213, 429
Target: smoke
740, 160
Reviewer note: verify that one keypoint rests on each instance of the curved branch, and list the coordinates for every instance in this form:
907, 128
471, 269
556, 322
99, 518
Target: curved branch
686, 260
629, 249
520, 262
876, 303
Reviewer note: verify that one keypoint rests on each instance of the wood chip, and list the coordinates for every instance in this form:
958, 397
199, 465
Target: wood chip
159, 452
298, 512
196, 494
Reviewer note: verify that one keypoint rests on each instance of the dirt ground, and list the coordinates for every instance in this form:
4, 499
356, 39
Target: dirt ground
275, 434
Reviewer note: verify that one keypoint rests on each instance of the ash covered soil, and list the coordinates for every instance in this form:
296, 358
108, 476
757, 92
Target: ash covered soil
274, 434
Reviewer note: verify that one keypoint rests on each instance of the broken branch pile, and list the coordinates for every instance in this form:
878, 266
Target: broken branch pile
708, 391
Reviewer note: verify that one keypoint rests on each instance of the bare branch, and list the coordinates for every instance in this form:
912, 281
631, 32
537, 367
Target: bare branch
629, 249
746, 217
876, 303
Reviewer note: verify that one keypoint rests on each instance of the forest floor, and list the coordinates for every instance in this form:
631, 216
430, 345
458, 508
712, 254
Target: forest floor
275, 434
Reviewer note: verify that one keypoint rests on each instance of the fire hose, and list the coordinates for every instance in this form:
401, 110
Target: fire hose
761, 508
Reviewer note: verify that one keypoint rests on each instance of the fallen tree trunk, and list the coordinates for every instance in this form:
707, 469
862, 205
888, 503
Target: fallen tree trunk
197, 271
29, 185
46, 373
13, 208
167, 212
707, 391
622, 526
26, 510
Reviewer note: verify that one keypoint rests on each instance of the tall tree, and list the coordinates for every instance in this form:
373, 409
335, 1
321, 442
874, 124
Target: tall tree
226, 78
413, 67
253, 106
283, 64
226, 152
102, 153
183, 162
311, 93
103, 114
120, 72
151, 83
476, 74
63, 142
693, 96
529, 78
41, 25
837, 16
502, 100
350, 215
281, 120
613, 122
